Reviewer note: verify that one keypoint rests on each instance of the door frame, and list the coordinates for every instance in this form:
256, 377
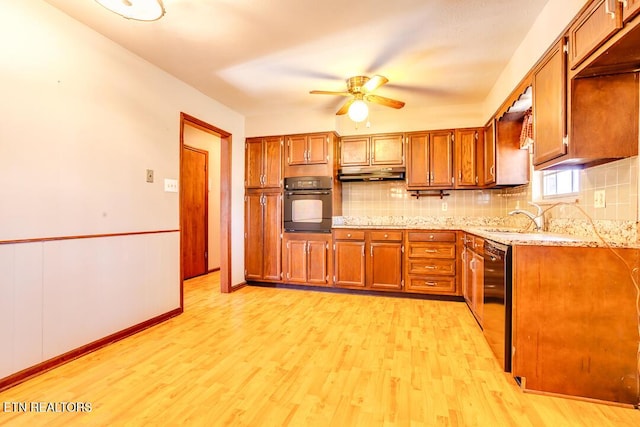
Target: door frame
225, 200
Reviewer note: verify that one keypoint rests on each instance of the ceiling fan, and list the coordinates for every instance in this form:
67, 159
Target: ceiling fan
360, 89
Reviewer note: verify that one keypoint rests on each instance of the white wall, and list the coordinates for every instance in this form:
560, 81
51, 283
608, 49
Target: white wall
81, 119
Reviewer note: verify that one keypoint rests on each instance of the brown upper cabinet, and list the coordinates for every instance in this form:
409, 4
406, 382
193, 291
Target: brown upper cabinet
372, 150
309, 154
592, 28
469, 156
430, 160
550, 105
263, 162
489, 154
630, 9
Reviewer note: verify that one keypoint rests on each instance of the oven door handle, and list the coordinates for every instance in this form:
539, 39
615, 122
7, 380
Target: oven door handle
308, 193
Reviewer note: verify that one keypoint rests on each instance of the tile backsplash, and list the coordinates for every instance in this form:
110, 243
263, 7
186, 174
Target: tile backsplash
618, 179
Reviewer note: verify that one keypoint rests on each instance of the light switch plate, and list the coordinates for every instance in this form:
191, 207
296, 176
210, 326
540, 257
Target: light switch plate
599, 199
444, 206
170, 185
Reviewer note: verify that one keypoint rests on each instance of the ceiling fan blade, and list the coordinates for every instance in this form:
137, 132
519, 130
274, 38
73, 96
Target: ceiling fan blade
345, 107
387, 102
328, 92
374, 83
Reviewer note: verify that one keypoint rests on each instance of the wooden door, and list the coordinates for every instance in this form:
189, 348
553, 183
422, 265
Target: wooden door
272, 243
349, 263
441, 159
272, 163
418, 160
254, 155
253, 235
296, 261
385, 265
317, 269
489, 154
354, 151
317, 149
297, 150
194, 212
466, 157
550, 106
387, 150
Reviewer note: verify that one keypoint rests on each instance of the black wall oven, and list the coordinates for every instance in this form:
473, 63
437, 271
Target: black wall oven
307, 204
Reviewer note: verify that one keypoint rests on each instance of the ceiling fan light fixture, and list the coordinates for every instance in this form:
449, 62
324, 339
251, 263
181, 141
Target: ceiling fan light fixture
358, 111
140, 10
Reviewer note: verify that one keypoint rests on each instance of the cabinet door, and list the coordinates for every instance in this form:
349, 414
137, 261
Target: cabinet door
272, 162
489, 154
385, 265
354, 151
477, 285
317, 149
296, 261
418, 160
631, 8
466, 276
272, 243
253, 236
466, 157
297, 150
592, 29
441, 159
550, 106
349, 263
317, 269
387, 150
254, 155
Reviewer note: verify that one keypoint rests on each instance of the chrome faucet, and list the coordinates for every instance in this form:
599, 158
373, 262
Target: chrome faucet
537, 219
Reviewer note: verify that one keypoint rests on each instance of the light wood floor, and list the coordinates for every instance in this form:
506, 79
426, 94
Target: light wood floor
273, 357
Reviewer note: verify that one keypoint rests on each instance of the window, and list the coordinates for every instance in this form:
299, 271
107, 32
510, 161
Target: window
560, 183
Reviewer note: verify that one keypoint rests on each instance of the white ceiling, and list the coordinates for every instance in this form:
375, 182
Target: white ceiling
261, 56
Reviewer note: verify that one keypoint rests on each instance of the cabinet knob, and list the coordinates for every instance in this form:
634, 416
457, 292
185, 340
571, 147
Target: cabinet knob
386, 236
348, 234
431, 236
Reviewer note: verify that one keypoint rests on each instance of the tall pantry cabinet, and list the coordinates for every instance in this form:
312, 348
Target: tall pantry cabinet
263, 209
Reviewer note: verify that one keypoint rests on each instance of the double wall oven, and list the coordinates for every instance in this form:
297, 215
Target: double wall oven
307, 204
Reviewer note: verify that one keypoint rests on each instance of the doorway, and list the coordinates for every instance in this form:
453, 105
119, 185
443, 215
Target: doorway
224, 176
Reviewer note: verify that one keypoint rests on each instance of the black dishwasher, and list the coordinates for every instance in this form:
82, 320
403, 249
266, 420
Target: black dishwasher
497, 301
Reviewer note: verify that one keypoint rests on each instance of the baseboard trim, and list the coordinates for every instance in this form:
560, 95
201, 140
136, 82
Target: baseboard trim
22, 376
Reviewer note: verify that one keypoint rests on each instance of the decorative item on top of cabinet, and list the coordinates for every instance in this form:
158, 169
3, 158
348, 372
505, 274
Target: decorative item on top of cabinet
370, 259
372, 150
262, 237
594, 26
430, 262
263, 162
468, 159
430, 160
307, 258
310, 154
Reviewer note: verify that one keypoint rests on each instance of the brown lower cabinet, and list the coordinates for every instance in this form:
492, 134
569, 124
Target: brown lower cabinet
368, 259
473, 274
307, 258
430, 262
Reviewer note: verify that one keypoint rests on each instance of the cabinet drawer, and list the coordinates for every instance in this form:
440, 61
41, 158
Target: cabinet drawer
445, 285
393, 236
433, 266
348, 234
432, 236
432, 250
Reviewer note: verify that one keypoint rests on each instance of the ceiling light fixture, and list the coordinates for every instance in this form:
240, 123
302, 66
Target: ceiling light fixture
140, 10
358, 110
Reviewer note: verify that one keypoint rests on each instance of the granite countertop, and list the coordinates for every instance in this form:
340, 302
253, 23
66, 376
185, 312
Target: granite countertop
505, 235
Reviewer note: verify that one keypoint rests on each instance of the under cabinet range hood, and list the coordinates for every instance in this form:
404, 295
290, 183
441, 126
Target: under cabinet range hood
371, 173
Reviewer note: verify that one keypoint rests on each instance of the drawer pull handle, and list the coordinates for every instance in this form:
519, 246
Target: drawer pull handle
430, 283
430, 267
431, 251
